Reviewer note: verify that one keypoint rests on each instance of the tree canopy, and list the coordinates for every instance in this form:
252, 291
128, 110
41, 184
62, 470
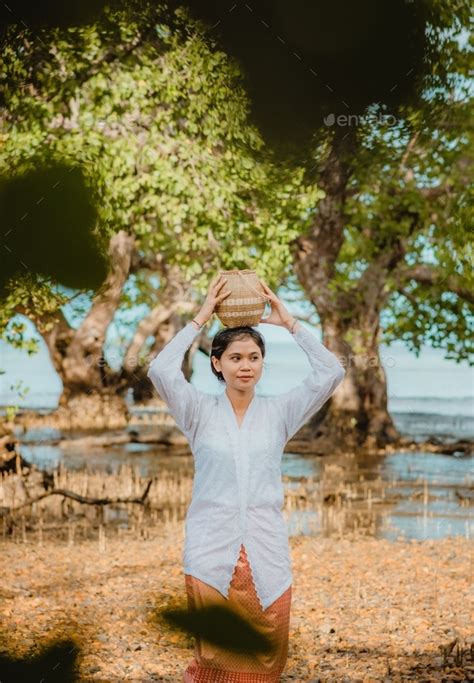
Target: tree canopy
157, 118
145, 101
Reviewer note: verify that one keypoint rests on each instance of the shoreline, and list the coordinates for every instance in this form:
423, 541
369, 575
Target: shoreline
362, 610
109, 420
163, 432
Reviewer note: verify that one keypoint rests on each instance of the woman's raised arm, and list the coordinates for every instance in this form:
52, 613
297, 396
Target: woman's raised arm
181, 397
300, 403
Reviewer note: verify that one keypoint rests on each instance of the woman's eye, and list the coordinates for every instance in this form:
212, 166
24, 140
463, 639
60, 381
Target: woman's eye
236, 359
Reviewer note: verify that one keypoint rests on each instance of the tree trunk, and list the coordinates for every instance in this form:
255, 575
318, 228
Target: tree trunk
357, 413
77, 355
138, 380
163, 322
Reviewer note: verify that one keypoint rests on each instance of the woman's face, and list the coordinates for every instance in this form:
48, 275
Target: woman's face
241, 359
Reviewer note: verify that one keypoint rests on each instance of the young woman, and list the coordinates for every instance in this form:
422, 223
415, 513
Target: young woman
236, 542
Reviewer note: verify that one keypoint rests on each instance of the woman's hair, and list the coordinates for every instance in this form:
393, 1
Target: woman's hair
226, 336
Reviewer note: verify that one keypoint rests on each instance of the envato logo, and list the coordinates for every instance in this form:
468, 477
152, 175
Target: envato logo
136, 362
356, 120
364, 361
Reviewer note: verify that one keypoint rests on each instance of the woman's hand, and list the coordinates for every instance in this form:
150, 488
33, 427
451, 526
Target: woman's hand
214, 296
279, 314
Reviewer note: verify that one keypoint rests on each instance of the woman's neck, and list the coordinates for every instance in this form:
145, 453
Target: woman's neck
240, 399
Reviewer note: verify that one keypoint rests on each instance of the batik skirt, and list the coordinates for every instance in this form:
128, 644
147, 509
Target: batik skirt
214, 664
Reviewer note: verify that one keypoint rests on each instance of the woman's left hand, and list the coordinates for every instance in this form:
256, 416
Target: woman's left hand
279, 314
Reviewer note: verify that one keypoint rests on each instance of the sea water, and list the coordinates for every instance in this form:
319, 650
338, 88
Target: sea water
428, 395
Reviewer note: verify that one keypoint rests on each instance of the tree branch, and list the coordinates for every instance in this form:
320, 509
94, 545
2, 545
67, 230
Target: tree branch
173, 296
431, 275
148, 327
141, 261
80, 499
409, 149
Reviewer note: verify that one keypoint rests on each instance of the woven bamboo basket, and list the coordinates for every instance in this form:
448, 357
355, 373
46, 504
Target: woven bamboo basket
246, 303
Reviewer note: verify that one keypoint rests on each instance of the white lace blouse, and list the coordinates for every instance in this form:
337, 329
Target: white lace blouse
237, 495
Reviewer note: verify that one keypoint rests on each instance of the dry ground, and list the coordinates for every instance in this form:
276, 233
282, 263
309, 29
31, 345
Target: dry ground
363, 610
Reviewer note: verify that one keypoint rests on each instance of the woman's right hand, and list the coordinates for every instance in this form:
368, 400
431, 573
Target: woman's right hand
215, 295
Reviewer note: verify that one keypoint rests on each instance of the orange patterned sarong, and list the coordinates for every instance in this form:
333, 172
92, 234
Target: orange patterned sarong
213, 664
